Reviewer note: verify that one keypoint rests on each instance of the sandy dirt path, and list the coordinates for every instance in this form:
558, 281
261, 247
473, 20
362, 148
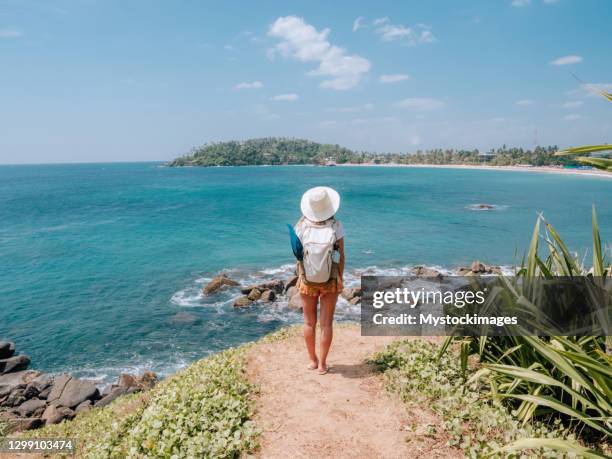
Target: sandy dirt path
346, 413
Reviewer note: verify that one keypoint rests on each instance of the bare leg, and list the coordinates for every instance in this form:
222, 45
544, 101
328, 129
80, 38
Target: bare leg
328, 307
309, 305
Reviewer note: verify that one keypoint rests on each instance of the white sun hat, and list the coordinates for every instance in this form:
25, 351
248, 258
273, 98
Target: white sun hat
320, 203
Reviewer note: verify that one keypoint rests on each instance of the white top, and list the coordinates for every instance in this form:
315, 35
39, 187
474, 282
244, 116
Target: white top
338, 228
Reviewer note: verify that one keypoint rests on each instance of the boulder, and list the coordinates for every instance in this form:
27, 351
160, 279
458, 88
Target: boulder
12, 364
15, 398
77, 391
291, 283
242, 302
478, 268
254, 294
355, 300
11, 381
38, 385
219, 282
59, 383
349, 293
268, 296
55, 414
463, 271
111, 396
277, 285
148, 380
295, 302
7, 349
127, 380
31, 408
83, 406
16, 424
424, 271
292, 291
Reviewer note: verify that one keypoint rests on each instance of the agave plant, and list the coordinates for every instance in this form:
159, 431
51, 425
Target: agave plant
599, 163
554, 377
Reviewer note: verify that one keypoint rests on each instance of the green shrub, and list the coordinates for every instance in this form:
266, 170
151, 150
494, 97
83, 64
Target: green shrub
202, 411
480, 425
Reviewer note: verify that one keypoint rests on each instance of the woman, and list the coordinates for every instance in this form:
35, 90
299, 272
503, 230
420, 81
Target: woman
320, 276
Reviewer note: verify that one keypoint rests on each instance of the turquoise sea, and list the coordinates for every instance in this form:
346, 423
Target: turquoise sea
101, 265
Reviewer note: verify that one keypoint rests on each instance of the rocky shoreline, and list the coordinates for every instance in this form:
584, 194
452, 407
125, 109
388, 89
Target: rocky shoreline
30, 399
277, 289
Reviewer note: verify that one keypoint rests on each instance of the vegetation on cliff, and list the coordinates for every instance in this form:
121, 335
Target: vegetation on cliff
281, 151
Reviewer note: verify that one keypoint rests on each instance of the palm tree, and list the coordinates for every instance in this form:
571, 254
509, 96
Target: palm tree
599, 163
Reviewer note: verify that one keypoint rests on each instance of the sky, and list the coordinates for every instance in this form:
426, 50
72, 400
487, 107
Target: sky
140, 80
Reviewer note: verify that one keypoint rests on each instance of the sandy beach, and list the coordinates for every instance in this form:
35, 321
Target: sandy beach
541, 169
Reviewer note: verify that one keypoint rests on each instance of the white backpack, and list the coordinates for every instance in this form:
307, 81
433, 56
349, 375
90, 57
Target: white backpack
318, 241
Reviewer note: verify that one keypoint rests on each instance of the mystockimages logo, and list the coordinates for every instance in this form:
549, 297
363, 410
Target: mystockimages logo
485, 306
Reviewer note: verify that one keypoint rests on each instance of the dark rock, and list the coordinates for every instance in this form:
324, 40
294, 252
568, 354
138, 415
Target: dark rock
7, 349
84, 406
39, 385
45, 393
12, 364
242, 302
218, 282
268, 296
55, 414
254, 294
59, 383
114, 393
15, 398
77, 391
291, 282
424, 271
31, 408
16, 424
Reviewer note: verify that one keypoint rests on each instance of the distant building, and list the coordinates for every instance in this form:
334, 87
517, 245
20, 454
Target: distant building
486, 157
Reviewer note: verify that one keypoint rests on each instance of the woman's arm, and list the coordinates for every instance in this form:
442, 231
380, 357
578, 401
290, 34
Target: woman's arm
341, 260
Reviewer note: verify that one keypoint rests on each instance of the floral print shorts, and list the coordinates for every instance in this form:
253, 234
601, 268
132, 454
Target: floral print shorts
333, 285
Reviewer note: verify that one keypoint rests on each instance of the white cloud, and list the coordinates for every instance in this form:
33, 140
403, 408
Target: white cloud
595, 89
10, 33
573, 104
302, 41
380, 21
420, 33
420, 103
395, 78
358, 24
524, 102
520, 2
355, 109
291, 97
572, 117
249, 85
567, 60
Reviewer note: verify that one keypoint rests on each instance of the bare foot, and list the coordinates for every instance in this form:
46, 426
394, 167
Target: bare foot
314, 364
323, 369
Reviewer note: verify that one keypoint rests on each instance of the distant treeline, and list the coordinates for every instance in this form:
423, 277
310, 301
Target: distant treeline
280, 151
